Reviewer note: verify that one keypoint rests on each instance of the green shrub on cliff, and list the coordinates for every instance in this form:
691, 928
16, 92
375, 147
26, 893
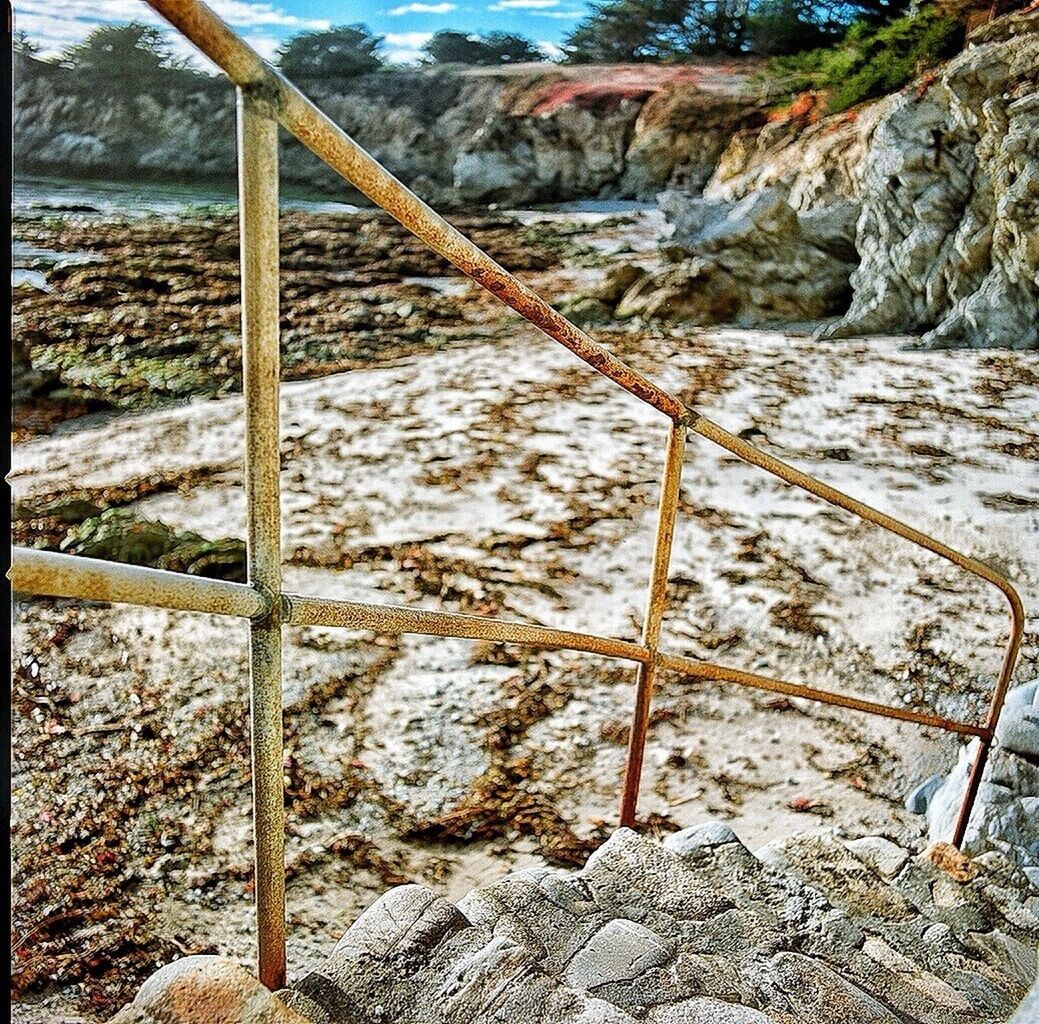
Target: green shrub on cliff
871, 62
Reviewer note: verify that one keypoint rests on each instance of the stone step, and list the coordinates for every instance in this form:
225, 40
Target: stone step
926, 958
695, 929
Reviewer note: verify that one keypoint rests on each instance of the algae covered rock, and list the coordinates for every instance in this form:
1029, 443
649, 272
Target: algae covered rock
120, 535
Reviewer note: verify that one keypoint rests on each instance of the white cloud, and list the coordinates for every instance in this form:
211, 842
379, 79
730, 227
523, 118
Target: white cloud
404, 56
410, 40
424, 9
247, 15
553, 51
535, 8
78, 18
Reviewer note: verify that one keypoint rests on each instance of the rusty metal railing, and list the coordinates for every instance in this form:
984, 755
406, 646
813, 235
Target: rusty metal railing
266, 99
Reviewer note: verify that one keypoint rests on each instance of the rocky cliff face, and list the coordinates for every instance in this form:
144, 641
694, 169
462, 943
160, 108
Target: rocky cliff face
949, 231
520, 135
914, 214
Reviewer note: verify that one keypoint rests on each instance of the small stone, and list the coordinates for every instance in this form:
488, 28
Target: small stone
947, 858
209, 989
884, 856
1018, 730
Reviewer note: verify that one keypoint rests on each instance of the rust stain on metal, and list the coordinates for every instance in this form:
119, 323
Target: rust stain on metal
723, 674
264, 96
316, 611
656, 602
51, 574
258, 218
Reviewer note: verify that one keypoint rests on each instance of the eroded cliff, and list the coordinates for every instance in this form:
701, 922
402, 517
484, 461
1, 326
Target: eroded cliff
517, 135
918, 213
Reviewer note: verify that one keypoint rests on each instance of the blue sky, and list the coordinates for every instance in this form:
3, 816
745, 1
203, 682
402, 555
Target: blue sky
406, 24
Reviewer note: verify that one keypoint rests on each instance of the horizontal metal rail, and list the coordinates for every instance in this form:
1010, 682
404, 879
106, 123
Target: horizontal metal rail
265, 96
93, 579
392, 619
723, 674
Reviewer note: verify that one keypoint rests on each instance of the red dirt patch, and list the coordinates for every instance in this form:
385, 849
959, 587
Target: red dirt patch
604, 89
586, 96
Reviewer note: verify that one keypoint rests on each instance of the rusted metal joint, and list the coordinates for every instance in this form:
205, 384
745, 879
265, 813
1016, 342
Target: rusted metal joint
263, 96
271, 613
285, 604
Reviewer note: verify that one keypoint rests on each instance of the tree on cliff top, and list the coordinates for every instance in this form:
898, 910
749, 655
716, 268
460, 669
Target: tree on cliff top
658, 30
450, 47
675, 30
340, 52
123, 52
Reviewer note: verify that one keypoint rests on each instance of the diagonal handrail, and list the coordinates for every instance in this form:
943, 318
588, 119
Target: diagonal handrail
266, 98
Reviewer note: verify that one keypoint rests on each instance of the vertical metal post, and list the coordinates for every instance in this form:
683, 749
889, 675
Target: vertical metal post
977, 768
669, 489
258, 220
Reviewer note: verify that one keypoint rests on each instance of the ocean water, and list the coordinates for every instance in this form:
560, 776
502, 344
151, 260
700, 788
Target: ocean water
55, 197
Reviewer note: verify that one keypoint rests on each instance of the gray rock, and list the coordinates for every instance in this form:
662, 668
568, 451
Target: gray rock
621, 951
884, 856
1006, 812
706, 1011
1023, 695
750, 260
947, 195
1018, 730
706, 835
816, 993
1028, 1011
406, 920
918, 798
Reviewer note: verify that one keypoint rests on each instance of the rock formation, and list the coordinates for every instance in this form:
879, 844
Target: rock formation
513, 135
1007, 815
698, 930
949, 230
921, 208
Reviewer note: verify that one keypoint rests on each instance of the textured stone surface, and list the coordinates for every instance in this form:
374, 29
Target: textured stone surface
521, 134
750, 261
949, 199
206, 990
811, 929
918, 210
772, 238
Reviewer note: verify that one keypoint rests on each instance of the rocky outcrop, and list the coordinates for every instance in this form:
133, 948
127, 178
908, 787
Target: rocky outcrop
772, 238
811, 929
913, 214
699, 929
1006, 816
517, 135
950, 202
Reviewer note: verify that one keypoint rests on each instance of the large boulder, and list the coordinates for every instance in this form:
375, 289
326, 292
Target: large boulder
748, 261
